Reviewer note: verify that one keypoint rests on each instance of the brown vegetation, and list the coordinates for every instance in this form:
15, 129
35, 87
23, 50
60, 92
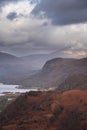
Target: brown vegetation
46, 110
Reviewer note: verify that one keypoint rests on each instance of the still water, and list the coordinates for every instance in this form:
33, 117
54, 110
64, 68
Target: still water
13, 88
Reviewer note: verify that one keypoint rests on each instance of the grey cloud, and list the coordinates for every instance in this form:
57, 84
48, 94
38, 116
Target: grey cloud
63, 11
27, 41
12, 15
32, 35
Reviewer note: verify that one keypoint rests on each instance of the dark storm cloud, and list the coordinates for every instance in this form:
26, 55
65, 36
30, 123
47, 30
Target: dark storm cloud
12, 15
63, 11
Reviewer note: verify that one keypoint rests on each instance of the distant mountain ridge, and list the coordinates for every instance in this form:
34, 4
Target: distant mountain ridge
18, 70
7, 57
34, 61
13, 69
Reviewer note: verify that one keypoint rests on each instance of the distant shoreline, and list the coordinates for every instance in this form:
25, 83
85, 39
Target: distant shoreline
4, 89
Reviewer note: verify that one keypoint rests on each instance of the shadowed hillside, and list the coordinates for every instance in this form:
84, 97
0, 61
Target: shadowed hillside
47, 110
56, 71
78, 81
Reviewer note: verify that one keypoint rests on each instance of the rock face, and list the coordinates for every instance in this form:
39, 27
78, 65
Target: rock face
56, 71
46, 110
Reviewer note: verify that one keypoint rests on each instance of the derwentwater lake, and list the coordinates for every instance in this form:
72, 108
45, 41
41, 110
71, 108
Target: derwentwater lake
13, 89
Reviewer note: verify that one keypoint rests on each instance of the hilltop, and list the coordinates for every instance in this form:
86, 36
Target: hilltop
46, 110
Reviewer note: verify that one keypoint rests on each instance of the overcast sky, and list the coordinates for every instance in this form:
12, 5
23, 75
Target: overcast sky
44, 26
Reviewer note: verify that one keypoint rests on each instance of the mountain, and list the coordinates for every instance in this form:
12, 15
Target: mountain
46, 110
18, 70
13, 69
36, 60
56, 71
6, 56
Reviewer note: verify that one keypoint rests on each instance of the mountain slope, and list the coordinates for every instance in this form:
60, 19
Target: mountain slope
47, 110
76, 81
55, 71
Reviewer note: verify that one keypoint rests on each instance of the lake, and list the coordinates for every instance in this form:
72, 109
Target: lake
13, 89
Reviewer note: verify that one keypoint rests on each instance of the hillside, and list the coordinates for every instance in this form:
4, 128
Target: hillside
46, 110
56, 71
76, 81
